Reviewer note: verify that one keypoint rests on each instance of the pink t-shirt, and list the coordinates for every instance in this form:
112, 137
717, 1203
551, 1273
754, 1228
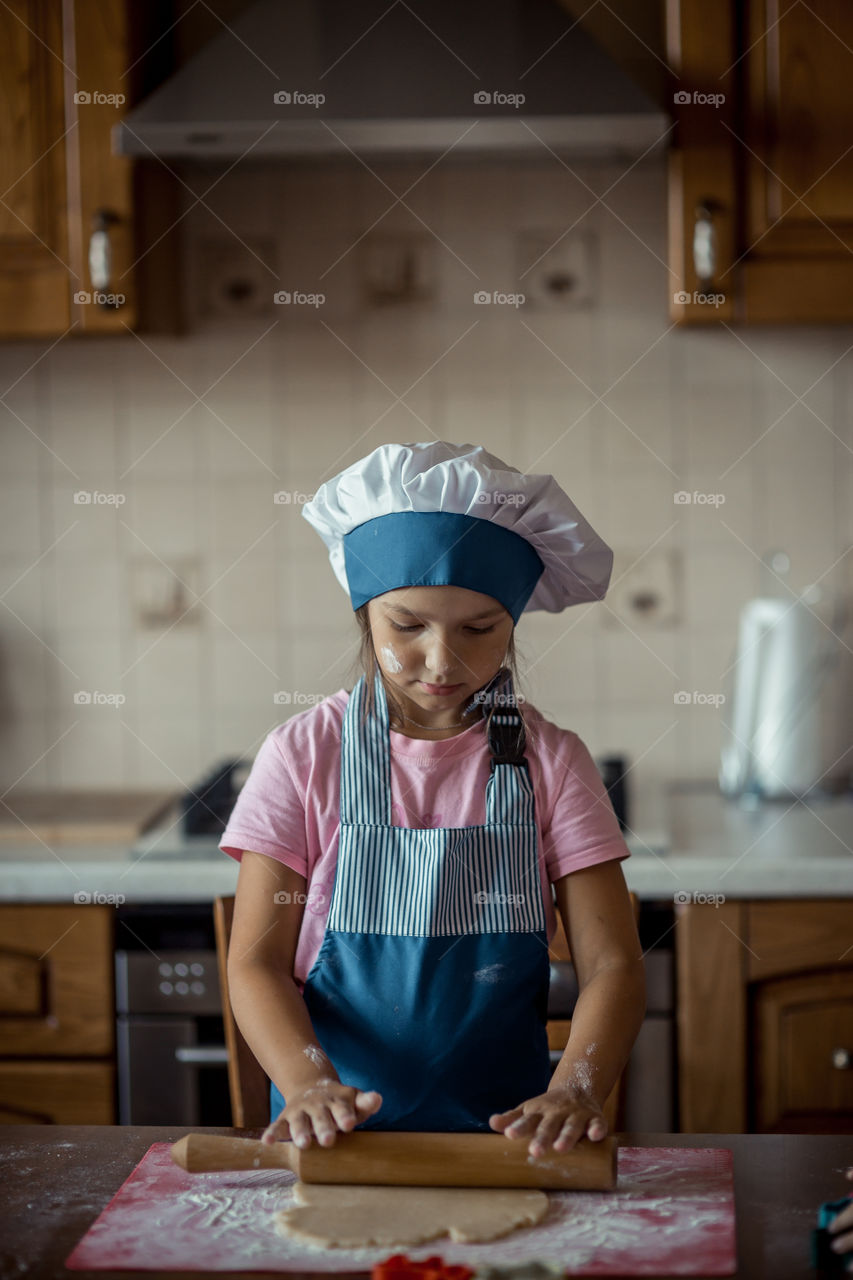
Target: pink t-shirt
289, 806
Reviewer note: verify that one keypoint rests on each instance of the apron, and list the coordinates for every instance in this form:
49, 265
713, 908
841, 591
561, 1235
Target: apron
431, 983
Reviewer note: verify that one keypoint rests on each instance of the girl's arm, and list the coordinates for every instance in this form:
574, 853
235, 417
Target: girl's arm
605, 949
271, 1013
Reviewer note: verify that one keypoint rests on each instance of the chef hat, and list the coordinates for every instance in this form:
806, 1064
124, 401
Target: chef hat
441, 514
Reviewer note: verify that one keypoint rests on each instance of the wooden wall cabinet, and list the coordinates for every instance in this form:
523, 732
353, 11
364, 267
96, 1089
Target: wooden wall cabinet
57, 1019
63, 66
761, 170
765, 1016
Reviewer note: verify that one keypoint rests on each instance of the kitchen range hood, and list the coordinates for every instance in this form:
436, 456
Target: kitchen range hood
330, 79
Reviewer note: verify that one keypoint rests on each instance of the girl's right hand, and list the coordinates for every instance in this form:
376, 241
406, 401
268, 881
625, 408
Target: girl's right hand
322, 1109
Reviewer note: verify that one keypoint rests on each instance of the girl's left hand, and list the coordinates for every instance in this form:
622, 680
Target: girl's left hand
560, 1117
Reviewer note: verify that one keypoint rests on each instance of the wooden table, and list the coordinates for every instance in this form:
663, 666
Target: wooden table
55, 1181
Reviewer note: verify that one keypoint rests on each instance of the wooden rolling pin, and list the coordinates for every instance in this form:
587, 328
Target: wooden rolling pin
411, 1160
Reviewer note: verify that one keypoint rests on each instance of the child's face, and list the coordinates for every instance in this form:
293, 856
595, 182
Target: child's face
438, 636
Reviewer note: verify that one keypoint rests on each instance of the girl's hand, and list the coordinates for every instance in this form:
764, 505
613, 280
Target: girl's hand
559, 1117
843, 1222
322, 1109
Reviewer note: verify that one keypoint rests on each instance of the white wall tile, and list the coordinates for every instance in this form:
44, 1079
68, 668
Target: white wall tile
245, 671
27, 670
24, 590
24, 424
20, 520
94, 752
30, 757
88, 591
168, 749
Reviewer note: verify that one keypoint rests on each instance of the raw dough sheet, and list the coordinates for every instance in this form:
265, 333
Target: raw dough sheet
343, 1217
672, 1213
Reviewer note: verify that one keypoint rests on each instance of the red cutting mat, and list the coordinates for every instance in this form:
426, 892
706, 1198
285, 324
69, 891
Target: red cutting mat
672, 1213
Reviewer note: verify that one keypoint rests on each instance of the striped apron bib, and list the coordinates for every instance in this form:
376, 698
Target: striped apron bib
431, 983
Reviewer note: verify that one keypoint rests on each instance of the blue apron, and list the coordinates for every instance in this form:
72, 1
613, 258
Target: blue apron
431, 983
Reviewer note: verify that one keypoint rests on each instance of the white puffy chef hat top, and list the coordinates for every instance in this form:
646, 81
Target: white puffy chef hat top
441, 514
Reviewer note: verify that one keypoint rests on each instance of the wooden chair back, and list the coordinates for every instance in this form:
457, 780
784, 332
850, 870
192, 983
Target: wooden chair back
248, 1083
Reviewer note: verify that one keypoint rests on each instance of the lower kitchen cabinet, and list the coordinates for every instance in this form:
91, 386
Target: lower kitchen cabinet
765, 1016
57, 1093
57, 1020
803, 1063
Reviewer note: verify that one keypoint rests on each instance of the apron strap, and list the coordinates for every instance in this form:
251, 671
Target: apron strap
365, 759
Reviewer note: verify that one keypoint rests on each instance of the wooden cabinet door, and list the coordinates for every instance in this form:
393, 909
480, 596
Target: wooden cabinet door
797, 165
35, 298
99, 183
56, 981
57, 1093
762, 98
63, 67
765, 998
803, 1061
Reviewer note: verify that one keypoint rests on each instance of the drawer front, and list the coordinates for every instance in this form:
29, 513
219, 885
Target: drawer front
56, 981
792, 937
57, 1093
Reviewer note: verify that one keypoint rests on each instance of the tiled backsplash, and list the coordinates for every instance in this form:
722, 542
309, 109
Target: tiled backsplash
197, 434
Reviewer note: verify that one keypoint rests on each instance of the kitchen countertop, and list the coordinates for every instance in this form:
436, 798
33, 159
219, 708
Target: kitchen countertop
707, 844
57, 1180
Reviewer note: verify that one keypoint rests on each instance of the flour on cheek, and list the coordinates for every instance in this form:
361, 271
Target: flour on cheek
392, 662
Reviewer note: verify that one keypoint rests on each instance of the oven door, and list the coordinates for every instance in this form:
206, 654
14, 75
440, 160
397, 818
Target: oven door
172, 1071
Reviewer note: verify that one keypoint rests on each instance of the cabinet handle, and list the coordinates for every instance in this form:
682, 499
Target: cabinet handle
201, 1056
101, 258
842, 1059
705, 242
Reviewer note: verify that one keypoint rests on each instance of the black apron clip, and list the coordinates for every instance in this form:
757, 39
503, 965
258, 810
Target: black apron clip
506, 733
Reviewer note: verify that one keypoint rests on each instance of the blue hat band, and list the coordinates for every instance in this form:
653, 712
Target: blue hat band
440, 549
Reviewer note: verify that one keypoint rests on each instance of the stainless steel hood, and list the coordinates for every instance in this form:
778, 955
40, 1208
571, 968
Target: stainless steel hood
323, 79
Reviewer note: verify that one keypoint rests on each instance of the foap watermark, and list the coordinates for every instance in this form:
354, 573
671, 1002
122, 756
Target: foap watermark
294, 697
684, 897
684, 499
291, 497
293, 298
494, 297
497, 98
697, 699
683, 299
94, 498
297, 98
94, 697
284, 898
697, 98
497, 698
95, 297
83, 98
501, 499
499, 899
85, 898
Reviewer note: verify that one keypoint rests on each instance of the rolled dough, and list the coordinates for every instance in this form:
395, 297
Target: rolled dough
352, 1216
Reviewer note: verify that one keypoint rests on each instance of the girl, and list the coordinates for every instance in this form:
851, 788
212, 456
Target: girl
389, 962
